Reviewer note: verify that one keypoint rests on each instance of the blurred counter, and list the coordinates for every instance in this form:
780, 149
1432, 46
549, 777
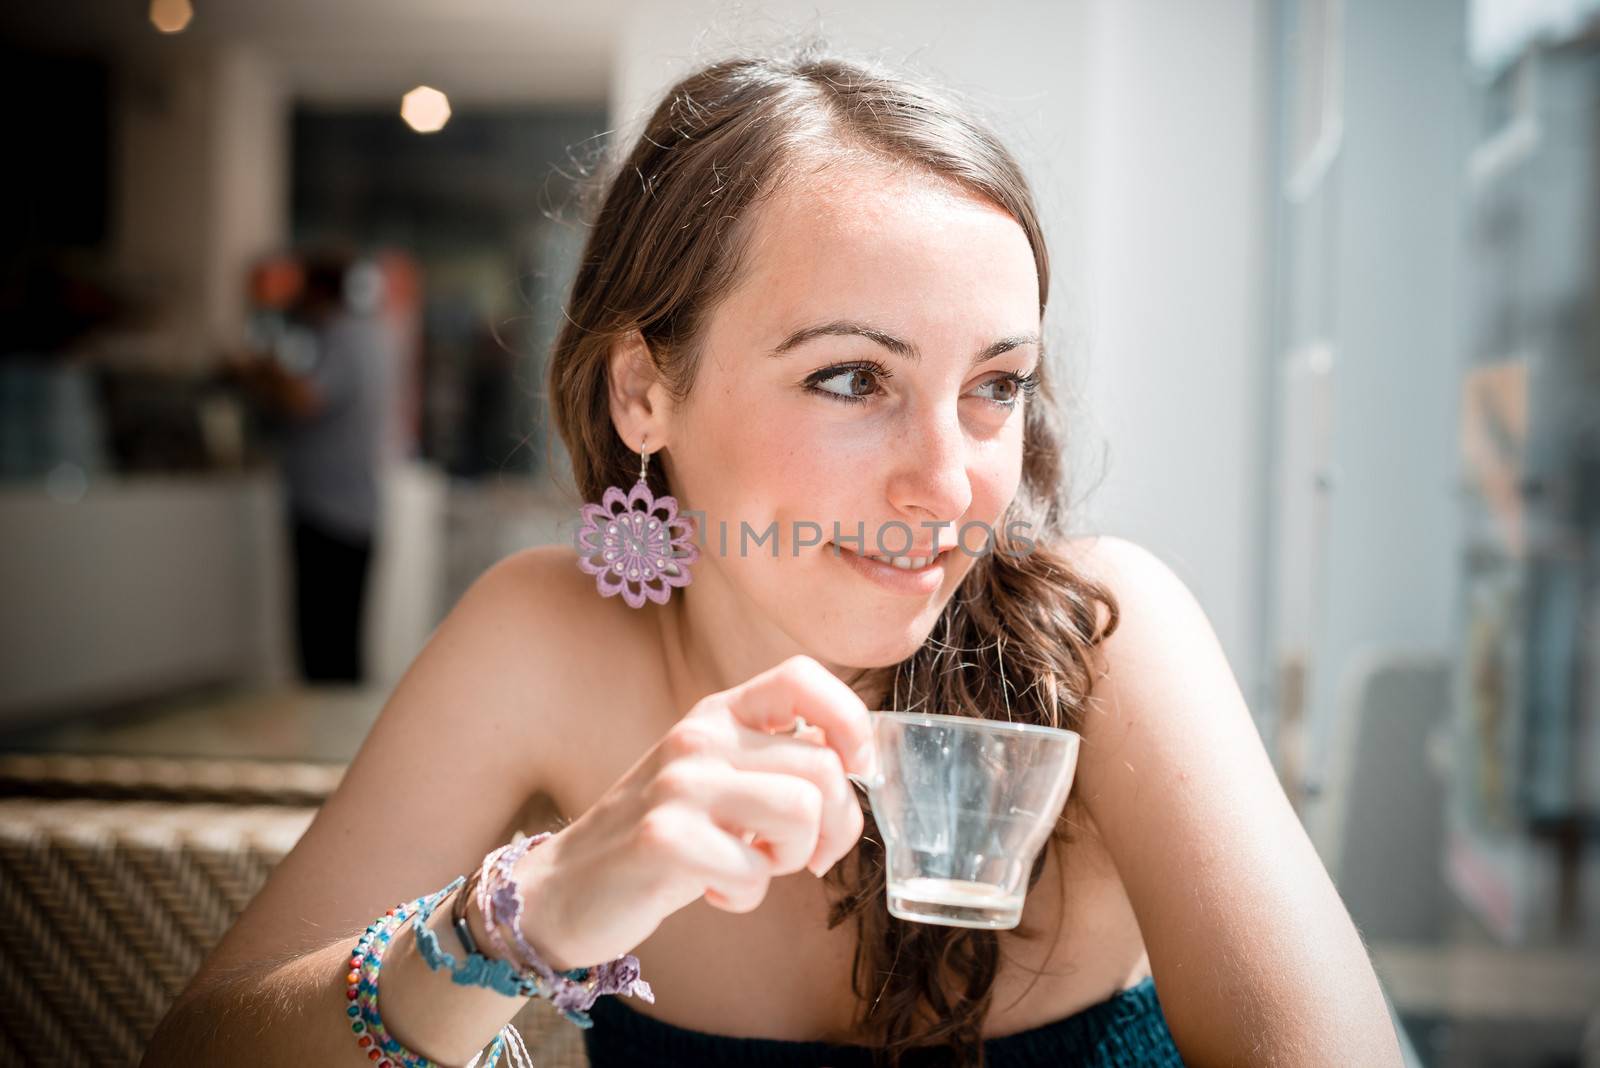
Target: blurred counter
137, 587
320, 724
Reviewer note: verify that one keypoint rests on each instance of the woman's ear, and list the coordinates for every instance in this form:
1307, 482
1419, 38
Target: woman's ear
641, 405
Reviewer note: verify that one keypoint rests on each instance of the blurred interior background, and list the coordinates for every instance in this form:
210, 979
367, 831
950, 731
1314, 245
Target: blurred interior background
1327, 294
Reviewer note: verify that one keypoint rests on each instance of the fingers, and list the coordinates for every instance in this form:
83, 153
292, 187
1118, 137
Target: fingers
841, 821
706, 755
788, 791
800, 687
783, 811
729, 872
794, 795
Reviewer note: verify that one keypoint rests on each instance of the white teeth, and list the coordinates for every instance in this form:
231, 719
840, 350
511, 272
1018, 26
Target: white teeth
905, 563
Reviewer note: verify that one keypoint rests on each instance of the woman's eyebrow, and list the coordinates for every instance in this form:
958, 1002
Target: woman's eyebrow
897, 345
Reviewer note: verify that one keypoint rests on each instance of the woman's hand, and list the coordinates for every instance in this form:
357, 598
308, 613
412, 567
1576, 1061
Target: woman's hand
716, 809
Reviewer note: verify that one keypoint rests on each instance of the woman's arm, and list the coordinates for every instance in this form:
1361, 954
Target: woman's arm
1255, 957
293, 1012
444, 776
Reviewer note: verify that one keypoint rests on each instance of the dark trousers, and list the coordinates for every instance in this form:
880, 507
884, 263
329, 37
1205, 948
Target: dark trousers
330, 581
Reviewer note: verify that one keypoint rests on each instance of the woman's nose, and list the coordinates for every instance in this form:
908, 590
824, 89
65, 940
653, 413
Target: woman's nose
930, 477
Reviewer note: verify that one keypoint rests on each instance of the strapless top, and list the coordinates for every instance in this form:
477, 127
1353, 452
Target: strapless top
1126, 1029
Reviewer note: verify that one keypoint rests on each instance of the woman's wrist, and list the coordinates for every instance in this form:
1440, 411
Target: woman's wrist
540, 915
477, 928
428, 1015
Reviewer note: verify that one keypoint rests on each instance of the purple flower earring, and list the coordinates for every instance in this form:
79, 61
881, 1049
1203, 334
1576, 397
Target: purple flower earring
636, 545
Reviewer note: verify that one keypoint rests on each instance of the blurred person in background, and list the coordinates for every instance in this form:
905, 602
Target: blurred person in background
321, 360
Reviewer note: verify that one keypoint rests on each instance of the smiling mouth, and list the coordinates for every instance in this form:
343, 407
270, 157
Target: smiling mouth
908, 562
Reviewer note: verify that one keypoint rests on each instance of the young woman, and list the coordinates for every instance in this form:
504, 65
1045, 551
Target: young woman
811, 302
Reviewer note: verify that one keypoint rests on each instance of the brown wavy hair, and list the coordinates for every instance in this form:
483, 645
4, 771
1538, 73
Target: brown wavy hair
667, 229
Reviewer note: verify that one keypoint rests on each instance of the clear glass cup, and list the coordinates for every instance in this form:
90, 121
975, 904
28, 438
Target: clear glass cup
964, 805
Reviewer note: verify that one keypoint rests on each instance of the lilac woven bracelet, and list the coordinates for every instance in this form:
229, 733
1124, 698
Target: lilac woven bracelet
484, 906
572, 992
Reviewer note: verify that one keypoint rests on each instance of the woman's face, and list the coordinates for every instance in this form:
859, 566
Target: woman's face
799, 426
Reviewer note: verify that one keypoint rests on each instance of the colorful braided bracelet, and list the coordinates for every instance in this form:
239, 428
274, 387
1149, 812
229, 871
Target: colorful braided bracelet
500, 900
362, 993
382, 1048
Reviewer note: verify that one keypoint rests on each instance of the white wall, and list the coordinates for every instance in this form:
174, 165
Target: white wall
1177, 151
201, 173
249, 178
1141, 128
1394, 251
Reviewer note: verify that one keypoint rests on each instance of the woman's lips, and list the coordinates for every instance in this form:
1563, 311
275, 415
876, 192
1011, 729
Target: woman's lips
914, 582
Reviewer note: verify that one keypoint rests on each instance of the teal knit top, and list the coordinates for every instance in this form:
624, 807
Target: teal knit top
1125, 1030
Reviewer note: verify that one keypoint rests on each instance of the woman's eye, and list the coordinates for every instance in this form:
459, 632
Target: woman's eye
1008, 390
850, 384
1013, 387
855, 383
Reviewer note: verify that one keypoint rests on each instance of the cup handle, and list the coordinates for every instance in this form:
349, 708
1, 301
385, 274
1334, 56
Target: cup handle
875, 780
864, 782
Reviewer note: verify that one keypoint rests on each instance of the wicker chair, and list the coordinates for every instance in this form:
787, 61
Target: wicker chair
118, 875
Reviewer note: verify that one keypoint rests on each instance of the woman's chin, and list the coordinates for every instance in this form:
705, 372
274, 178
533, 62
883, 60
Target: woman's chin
865, 643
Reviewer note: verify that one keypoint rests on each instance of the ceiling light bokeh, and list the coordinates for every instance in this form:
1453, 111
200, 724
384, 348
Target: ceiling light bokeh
170, 16
425, 109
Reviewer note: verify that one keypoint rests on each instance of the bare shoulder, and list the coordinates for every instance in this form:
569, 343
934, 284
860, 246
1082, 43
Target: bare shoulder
567, 641
1148, 592
1163, 652
1115, 561
542, 588
565, 627
530, 623
1161, 694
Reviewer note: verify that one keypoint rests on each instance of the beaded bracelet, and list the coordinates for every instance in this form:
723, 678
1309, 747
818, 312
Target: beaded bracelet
382, 1048
500, 899
362, 993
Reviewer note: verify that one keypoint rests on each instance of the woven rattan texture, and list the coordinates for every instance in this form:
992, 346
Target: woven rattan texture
151, 778
108, 907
